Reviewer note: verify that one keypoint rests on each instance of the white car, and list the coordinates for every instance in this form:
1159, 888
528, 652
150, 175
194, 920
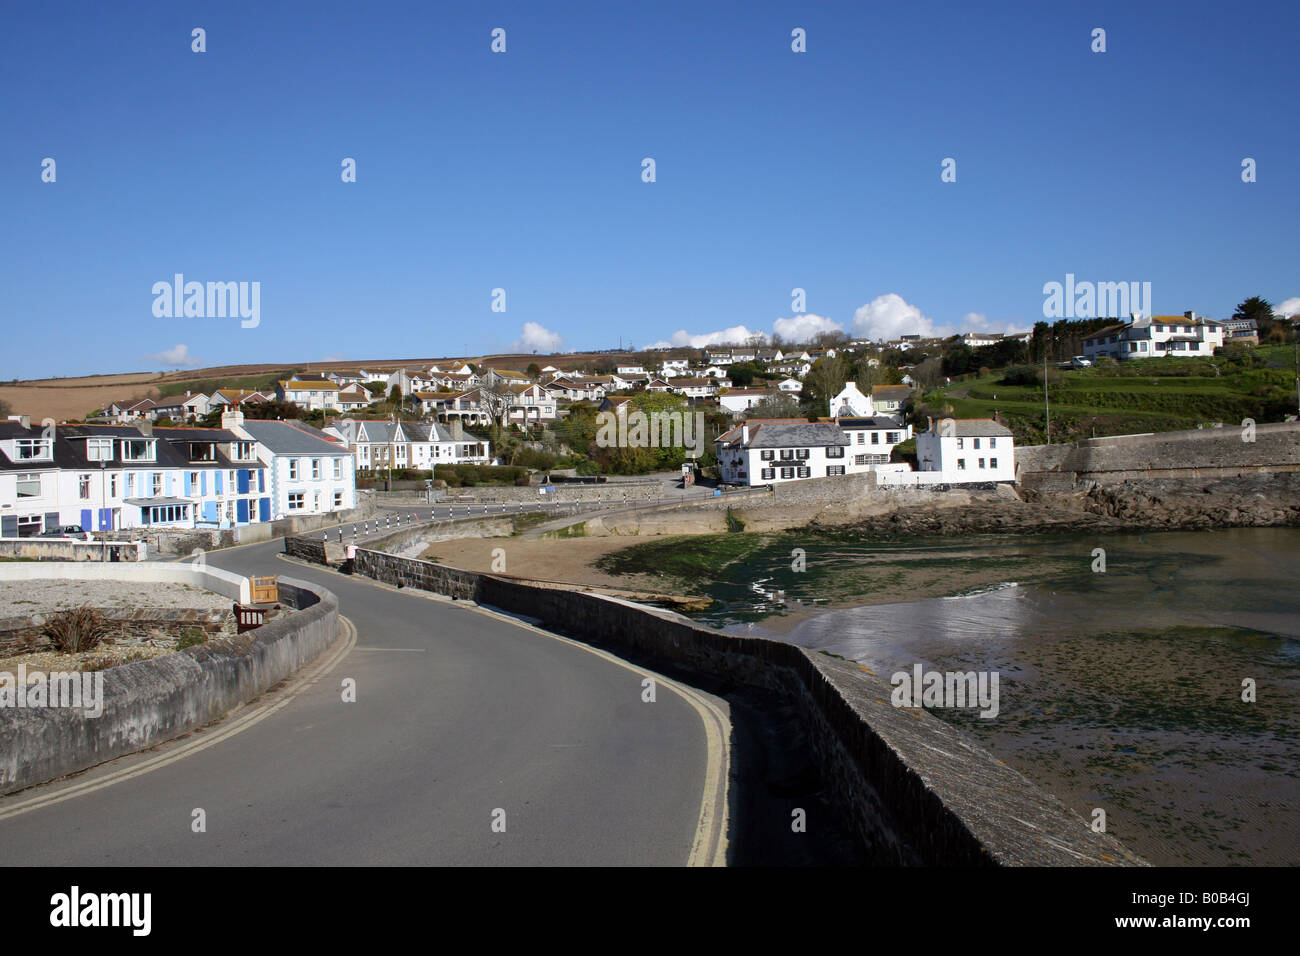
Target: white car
1080, 362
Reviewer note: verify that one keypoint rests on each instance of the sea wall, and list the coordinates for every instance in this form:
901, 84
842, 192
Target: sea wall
912, 789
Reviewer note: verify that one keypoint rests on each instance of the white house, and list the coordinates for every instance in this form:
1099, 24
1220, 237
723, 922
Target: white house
112, 477
739, 400
872, 439
851, 403
771, 451
967, 450
890, 399
311, 394
307, 473
1156, 336
790, 385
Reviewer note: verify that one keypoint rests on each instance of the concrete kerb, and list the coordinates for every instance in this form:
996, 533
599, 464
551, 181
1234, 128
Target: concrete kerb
914, 789
145, 703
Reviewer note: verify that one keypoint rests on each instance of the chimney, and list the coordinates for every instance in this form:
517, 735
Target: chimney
146, 428
457, 428
744, 435
25, 421
187, 393
929, 424
232, 417
1190, 315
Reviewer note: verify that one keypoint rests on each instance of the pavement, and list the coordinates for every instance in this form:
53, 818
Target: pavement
474, 739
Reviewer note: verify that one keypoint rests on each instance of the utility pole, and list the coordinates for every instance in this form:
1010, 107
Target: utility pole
1047, 408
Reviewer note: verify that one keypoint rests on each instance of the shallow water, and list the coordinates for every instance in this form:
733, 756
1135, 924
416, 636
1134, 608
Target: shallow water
1119, 689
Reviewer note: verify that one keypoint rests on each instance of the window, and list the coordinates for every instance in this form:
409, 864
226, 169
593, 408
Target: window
767, 455
83, 487
32, 448
981, 462
203, 451
835, 452
293, 470
338, 467
338, 500
993, 443
875, 438
99, 449
112, 486
805, 472
134, 449
961, 443
993, 462
194, 482
768, 474
862, 438
787, 454
296, 500
893, 438
157, 483
787, 472
977, 444
834, 470
315, 468
29, 486
801, 453
243, 451
315, 504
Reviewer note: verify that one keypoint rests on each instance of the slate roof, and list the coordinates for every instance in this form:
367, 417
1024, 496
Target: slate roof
282, 438
787, 433
979, 428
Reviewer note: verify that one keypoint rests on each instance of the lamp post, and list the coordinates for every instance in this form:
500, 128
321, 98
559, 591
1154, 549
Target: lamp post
103, 506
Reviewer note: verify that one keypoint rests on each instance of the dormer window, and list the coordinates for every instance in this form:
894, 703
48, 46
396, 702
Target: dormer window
203, 451
243, 451
137, 449
33, 449
99, 449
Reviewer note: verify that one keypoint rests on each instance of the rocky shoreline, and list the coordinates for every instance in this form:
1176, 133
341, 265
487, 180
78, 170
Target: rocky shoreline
1164, 504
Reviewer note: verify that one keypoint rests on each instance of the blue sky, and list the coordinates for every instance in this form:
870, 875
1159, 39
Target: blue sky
523, 170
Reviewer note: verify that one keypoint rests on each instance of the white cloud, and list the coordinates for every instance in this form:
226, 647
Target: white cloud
889, 316
805, 327
178, 356
1288, 308
736, 335
537, 338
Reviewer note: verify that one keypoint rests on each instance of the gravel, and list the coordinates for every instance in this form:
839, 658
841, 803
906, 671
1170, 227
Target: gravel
25, 598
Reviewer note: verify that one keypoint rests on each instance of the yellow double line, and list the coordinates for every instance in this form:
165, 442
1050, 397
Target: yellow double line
314, 672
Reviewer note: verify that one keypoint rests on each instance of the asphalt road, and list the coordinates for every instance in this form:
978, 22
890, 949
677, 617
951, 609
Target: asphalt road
458, 715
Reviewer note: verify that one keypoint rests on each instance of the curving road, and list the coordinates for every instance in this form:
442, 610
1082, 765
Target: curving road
459, 713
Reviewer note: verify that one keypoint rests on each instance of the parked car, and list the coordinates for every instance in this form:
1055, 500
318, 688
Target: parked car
1080, 362
68, 531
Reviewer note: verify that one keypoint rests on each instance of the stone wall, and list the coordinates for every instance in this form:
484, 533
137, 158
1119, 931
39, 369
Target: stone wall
148, 702
1196, 453
68, 549
23, 635
912, 789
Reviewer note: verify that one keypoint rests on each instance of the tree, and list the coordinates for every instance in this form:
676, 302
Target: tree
5, 409
780, 405
824, 381
395, 395
534, 371
1261, 311
742, 374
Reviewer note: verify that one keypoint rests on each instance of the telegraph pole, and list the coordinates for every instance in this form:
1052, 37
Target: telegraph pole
1047, 408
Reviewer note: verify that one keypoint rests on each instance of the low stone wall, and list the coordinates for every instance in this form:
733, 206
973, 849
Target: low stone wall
913, 789
23, 635
1202, 452
611, 491
67, 549
148, 702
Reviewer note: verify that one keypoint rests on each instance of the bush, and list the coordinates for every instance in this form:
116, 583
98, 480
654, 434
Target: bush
80, 629
190, 637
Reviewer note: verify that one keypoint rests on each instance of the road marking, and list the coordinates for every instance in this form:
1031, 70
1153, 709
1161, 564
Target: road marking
710, 844
304, 679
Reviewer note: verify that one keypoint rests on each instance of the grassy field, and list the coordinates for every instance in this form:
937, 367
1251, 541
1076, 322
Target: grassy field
1142, 395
